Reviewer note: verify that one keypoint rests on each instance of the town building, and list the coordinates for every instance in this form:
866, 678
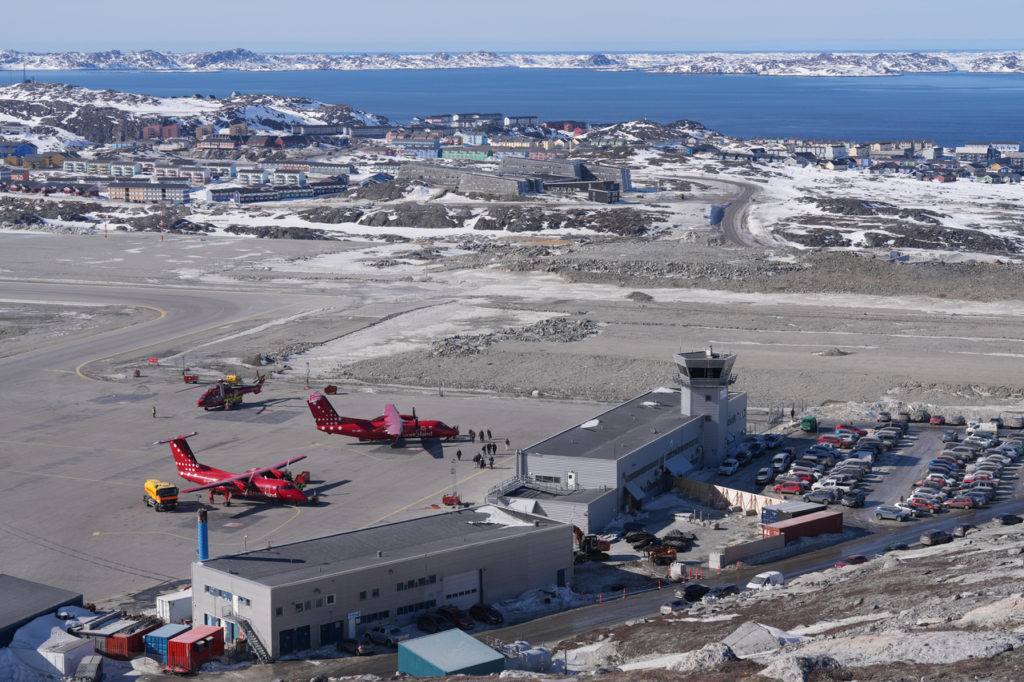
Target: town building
822, 151
513, 121
161, 131
288, 177
149, 192
252, 177
976, 153
310, 593
474, 120
238, 129
468, 153
218, 142
221, 169
473, 138
203, 131
1005, 146
469, 180
15, 129
117, 169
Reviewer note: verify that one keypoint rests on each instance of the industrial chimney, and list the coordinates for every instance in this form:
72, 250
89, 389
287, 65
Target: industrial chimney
204, 541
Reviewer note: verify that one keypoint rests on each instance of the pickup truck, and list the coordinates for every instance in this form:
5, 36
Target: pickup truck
833, 484
387, 635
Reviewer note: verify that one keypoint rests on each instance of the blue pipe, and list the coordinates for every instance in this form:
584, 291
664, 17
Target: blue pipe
204, 541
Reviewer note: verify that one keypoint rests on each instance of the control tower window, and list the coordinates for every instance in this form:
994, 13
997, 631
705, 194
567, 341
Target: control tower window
682, 370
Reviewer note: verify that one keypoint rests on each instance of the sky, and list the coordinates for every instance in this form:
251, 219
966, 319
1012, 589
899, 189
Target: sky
407, 26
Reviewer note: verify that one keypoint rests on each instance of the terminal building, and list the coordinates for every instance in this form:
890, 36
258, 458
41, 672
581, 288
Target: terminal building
307, 594
626, 456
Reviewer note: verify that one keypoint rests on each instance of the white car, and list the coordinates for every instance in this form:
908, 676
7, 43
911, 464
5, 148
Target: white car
728, 468
833, 484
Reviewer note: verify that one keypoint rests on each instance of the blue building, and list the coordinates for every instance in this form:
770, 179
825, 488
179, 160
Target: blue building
452, 652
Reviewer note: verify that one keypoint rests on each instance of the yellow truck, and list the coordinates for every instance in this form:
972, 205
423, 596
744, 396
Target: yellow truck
163, 496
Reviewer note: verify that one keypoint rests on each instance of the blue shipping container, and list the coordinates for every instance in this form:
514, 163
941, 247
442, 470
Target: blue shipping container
156, 641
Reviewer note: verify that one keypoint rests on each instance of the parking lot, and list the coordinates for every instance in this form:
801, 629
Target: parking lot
891, 479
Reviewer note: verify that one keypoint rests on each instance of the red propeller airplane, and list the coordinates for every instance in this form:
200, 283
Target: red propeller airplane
390, 426
267, 483
227, 393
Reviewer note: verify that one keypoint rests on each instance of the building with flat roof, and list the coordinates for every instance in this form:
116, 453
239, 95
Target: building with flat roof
626, 456
309, 593
24, 601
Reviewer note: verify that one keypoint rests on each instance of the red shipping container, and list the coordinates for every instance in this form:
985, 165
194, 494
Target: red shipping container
122, 646
806, 526
187, 652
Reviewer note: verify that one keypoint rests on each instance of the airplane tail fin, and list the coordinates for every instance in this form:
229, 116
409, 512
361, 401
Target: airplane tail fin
183, 456
324, 414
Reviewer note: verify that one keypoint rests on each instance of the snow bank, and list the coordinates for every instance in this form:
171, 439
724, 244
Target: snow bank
561, 598
500, 517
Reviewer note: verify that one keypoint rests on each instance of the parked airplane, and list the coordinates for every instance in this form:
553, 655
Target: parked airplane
227, 393
390, 426
268, 483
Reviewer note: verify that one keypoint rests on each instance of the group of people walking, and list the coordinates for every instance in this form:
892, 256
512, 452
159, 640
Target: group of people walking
485, 458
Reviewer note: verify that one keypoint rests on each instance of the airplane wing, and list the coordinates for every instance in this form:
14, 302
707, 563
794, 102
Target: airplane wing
243, 477
392, 421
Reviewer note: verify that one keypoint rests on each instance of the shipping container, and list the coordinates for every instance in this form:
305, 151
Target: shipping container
175, 607
789, 510
126, 644
63, 659
188, 651
806, 526
156, 641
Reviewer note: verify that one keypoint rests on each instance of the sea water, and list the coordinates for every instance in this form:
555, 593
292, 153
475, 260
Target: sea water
951, 108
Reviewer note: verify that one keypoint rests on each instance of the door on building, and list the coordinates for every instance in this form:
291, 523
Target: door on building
302, 638
561, 577
231, 630
284, 643
570, 477
330, 633
462, 590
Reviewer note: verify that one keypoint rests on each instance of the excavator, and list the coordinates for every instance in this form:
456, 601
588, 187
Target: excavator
590, 547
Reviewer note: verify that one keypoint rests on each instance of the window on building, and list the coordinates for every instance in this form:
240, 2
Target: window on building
243, 600
320, 603
298, 608
308, 605
401, 587
279, 611
410, 584
209, 590
707, 399
707, 417
421, 582
548, 479
376, 592
330, 600
432, 579
362, 596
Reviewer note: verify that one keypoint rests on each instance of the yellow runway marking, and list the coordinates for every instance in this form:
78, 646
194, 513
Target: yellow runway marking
78, 370
212, 544
439, 492
43, 369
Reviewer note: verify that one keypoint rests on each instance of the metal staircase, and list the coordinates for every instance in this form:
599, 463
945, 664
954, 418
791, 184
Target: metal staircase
517, 482
254, 641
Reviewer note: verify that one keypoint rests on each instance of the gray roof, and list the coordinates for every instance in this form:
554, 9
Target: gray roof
24, 600
356, 550
576, 497
451, 651
621, 430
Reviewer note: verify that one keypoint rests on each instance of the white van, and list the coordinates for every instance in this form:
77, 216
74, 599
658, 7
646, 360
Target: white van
764, 581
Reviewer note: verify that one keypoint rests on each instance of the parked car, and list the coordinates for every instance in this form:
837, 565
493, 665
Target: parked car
774, 440
457, 617
981, 499
935, 537
724, 590
960, 530
692, 592
895, 547
675, 606
764, 476
387, 635
854, 499
1016, 422
851, 427
960, 502
903, 415
766, 580
756, 448
432, 622
788, 488
835, 439
908, 510
924, 504
884, 416
1007, 519
728, 467
852, 560
998, 421
887, 511
937, 420
744, 457
486, 613
355, 647
956, 420
950, 436
825, 497
920, 416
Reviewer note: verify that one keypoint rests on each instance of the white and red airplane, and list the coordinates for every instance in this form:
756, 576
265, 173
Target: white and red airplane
268, 483
389, 426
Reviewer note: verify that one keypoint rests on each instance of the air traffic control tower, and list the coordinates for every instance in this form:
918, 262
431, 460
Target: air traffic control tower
705, 377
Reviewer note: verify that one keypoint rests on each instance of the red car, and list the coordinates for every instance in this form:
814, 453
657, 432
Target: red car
788, 487
457, 617
853, 560
924, 505
960, 503
851, 427
982, 476
833, 439
803, 476
937, 419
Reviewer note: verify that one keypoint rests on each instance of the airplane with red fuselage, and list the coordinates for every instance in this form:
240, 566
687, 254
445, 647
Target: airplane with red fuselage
268, 483
226, 393
389, 426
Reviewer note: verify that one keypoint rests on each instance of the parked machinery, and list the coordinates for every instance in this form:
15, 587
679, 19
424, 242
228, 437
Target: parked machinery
590, 547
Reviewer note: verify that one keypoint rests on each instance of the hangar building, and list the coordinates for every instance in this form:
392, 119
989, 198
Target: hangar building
24, 601
306, 594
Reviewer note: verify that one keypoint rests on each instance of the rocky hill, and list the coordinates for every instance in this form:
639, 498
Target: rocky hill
106, 116
769, 64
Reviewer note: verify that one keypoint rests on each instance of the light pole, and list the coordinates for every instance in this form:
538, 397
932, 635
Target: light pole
307, 376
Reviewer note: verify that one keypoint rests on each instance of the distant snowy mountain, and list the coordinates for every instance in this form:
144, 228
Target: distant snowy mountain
767, 64
72, 112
